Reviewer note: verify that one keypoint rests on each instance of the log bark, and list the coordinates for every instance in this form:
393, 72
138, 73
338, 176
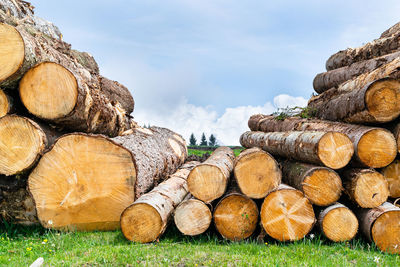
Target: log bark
381, 226
333, 78
331, 149
391, 31
321, 185
392, 176
375, 48
338, 223
17, 206
147, 218
365, 187
209, 180
192, 217
256, 172
85, 181
373, 147
286, 214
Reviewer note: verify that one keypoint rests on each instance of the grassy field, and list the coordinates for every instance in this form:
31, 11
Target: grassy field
202, 152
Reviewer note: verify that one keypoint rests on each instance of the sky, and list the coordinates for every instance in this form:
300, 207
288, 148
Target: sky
199, 66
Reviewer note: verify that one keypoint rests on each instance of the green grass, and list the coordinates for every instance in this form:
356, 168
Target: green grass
20, 246
202, 152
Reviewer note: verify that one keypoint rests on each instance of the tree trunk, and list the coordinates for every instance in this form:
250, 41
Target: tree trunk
381, 226
85, 181
147, 219
375, 48
366, 99
209, 180
286, 214
338, 223
391, 31
321, 185
6, 104
331, 149
365, 187
17, 206
326, 80
192, 217
256, 172
392, 176
373, 147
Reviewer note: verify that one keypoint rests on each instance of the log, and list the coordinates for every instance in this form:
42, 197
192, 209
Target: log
85, 181
365, 187
392, 176
147, 218
6, 104
391, 31
286, 214
331, 149
373, 49
236, 216
338, 223
209, 180
256, 172
17, 206
381, 226
373, 147
192, 217
333, 78
321, 185
363, 100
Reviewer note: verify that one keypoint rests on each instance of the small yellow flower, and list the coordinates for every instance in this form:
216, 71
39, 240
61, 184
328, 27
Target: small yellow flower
45, 241
28, 249
266, 243
50, 250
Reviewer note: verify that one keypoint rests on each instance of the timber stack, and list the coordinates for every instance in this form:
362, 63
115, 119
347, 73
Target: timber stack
346, 139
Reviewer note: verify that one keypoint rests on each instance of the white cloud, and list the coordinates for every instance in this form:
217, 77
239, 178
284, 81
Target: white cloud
284, 101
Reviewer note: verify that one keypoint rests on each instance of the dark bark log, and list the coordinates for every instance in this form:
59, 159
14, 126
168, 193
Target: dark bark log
391, 31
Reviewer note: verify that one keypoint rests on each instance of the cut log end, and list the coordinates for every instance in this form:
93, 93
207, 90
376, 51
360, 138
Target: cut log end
385, 232
4, 104
257, 173
377, 148
383, 100
141, 223
12, 51
322, 187
68, 180
371, 189
49, 91
22, 141
339, 224
236, 217
192, 217
392, 175
338, 143
287, 215
207, 182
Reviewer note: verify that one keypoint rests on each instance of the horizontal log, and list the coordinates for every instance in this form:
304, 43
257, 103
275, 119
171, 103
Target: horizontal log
392, 176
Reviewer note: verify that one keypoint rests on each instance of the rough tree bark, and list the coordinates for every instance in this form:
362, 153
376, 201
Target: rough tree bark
392, 176
338, 223
209, 180
256, 172
85, 181
321, 185
286, 214
373, 147
331, 149
391, 31
147, 219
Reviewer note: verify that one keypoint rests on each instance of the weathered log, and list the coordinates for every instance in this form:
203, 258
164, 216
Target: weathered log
256, 172
365, 187
147, 218
375, 48
326, 80
209, 180
338, 223
373, 147
321, 185
331, 149
392, 176
366, 99
192, 217
381, 226
17, 206
85, 181
391, 31
286, 214
6, 104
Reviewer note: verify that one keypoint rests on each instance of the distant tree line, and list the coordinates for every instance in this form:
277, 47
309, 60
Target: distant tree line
212, 140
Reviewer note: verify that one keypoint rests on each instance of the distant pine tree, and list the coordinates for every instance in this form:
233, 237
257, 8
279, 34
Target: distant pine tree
203, 141
192, 140
212, 141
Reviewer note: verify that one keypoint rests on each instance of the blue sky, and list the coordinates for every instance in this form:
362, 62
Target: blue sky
205, 66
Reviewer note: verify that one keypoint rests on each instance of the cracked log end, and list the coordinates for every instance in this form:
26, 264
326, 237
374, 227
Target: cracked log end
392, 175
286, 214
385, 232
12, 51
22, 141
49, 91
192, 217
83, 183
335, 150
236, 217
339, 224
